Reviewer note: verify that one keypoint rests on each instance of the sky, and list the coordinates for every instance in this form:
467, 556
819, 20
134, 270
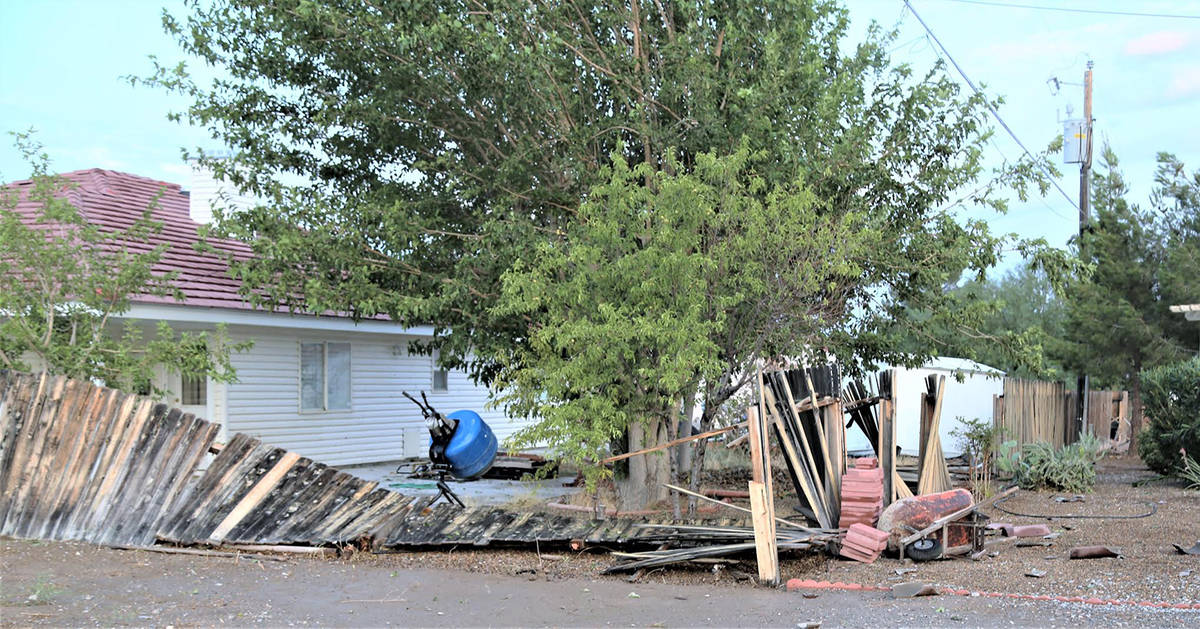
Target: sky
64, 63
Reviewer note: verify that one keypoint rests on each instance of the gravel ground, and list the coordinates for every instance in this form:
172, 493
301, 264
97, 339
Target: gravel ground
76, 584
71, 584
1150, 570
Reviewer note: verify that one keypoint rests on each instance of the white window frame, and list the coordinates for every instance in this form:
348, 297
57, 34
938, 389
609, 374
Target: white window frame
325, 377
433, 374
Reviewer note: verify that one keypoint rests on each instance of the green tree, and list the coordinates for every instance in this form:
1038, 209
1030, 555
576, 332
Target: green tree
448, 145
1019, 330
1144, 260
63, 280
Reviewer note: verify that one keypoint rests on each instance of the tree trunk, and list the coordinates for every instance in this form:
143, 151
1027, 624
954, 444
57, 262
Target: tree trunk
1135, 407
647, 473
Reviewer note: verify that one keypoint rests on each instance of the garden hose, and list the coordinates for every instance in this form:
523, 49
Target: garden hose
1152, 511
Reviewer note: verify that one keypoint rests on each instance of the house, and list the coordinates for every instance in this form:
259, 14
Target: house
326, 387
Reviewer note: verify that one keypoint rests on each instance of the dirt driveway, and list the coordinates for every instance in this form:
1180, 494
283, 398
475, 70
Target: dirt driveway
72, 584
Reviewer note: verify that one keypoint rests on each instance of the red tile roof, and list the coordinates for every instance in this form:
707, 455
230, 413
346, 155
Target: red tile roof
115, 200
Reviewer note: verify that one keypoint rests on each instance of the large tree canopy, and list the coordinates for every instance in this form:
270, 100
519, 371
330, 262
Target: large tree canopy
458, 158
1145, 259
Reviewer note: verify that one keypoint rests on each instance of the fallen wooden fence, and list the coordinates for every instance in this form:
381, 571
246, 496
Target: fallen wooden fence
87, 463
82, 462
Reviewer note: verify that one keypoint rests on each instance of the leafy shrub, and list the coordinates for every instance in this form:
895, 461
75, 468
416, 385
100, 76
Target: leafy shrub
1171, 395
1070, 468
1008, 459
980, 439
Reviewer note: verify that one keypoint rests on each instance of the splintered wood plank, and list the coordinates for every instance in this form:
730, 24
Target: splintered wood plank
254, 497
242, 480
107, 441
127, 499
48, 481
117, 468
200, 437
379, 501
342, 513
46, 402
167, 465
61, 502
764, 535
330, 492
280, 503
20, 425
212, 484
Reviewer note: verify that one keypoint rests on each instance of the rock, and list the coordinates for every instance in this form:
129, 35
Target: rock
913, 589
1035, 573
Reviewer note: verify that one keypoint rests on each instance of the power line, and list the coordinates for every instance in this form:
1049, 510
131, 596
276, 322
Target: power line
986, 103
1070, 10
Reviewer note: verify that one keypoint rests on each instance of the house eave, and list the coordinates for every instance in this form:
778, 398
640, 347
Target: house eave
183, 313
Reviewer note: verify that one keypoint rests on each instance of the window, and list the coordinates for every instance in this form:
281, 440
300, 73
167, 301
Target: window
324, 376
193, 390
441, 379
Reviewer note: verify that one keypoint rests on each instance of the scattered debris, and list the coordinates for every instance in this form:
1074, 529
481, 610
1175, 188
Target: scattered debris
913, 589
1075, 498
1035, 573
1194, 550
1093, 552
1030, 530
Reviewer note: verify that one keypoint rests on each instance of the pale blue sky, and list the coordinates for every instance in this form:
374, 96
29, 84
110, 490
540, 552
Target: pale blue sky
62, 63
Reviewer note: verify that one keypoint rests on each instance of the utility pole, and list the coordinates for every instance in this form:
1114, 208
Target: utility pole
1085, 170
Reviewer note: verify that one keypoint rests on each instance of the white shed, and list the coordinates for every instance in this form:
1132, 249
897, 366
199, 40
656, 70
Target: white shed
971, 398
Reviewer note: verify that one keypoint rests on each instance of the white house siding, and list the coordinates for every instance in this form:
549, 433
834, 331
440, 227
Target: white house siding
381, 424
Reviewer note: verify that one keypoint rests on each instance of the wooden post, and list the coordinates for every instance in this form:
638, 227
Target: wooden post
763, 517
757, 473
887, 440
835, 433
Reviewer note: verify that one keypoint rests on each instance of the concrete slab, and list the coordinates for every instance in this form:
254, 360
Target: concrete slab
480, 492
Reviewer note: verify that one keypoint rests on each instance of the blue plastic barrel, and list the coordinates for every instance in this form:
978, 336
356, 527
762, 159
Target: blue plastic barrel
472, 449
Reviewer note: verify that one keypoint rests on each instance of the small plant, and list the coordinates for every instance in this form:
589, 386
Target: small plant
1008, 459
42, 592
980, 439
1070, 468
1190, 473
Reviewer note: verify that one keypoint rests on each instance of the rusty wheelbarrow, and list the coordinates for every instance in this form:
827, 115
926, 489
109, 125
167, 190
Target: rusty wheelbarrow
937, 525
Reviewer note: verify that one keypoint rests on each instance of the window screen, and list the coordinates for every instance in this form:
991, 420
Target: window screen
312, 376
337, 375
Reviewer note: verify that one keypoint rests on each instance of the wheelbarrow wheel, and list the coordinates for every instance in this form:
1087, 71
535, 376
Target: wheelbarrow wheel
924, 550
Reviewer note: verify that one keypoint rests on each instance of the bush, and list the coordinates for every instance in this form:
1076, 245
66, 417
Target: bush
1070, 468
1171, 395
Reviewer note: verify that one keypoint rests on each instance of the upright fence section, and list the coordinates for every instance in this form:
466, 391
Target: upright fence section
1034, 411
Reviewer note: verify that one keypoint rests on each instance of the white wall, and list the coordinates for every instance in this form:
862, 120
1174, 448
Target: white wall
971, 398
381, 424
